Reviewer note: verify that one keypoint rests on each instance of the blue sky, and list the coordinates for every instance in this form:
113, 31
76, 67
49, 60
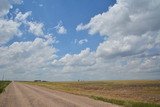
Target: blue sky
71, 13
61, 40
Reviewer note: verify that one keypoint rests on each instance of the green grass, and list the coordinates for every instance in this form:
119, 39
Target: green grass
129, 93
125, 103
3, 85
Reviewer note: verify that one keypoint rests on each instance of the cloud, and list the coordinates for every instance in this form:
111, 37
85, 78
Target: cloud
82, 59
130, 18
75, 63
81, 27
8, 29
128, 45
36, 28
131, 50
22, 17
17, 1
134, 30
6, 5
82, 41
132, 46
86, 65
60, 28
27, 57
23, 60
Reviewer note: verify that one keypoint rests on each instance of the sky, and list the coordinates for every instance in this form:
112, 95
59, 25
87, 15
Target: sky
70, 40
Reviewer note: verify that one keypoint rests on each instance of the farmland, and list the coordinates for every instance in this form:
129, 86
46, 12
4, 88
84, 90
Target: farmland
135, 93
3, 85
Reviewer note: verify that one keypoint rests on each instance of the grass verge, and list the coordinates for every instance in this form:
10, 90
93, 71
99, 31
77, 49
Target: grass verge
125, 103
3, 85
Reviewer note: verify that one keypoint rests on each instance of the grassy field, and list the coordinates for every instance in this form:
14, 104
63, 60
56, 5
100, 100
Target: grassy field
3, 85
132, 93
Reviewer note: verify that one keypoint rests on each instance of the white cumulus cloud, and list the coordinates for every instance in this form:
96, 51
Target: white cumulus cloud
22, 17
6, 5
36, 28
132, 27
131, 50
8, 29
28, 57
126, 18
60, 28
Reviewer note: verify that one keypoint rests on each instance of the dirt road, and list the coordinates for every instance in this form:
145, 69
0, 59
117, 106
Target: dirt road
22, 95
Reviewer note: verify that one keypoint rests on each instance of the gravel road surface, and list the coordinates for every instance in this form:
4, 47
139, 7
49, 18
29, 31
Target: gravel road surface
24, 95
